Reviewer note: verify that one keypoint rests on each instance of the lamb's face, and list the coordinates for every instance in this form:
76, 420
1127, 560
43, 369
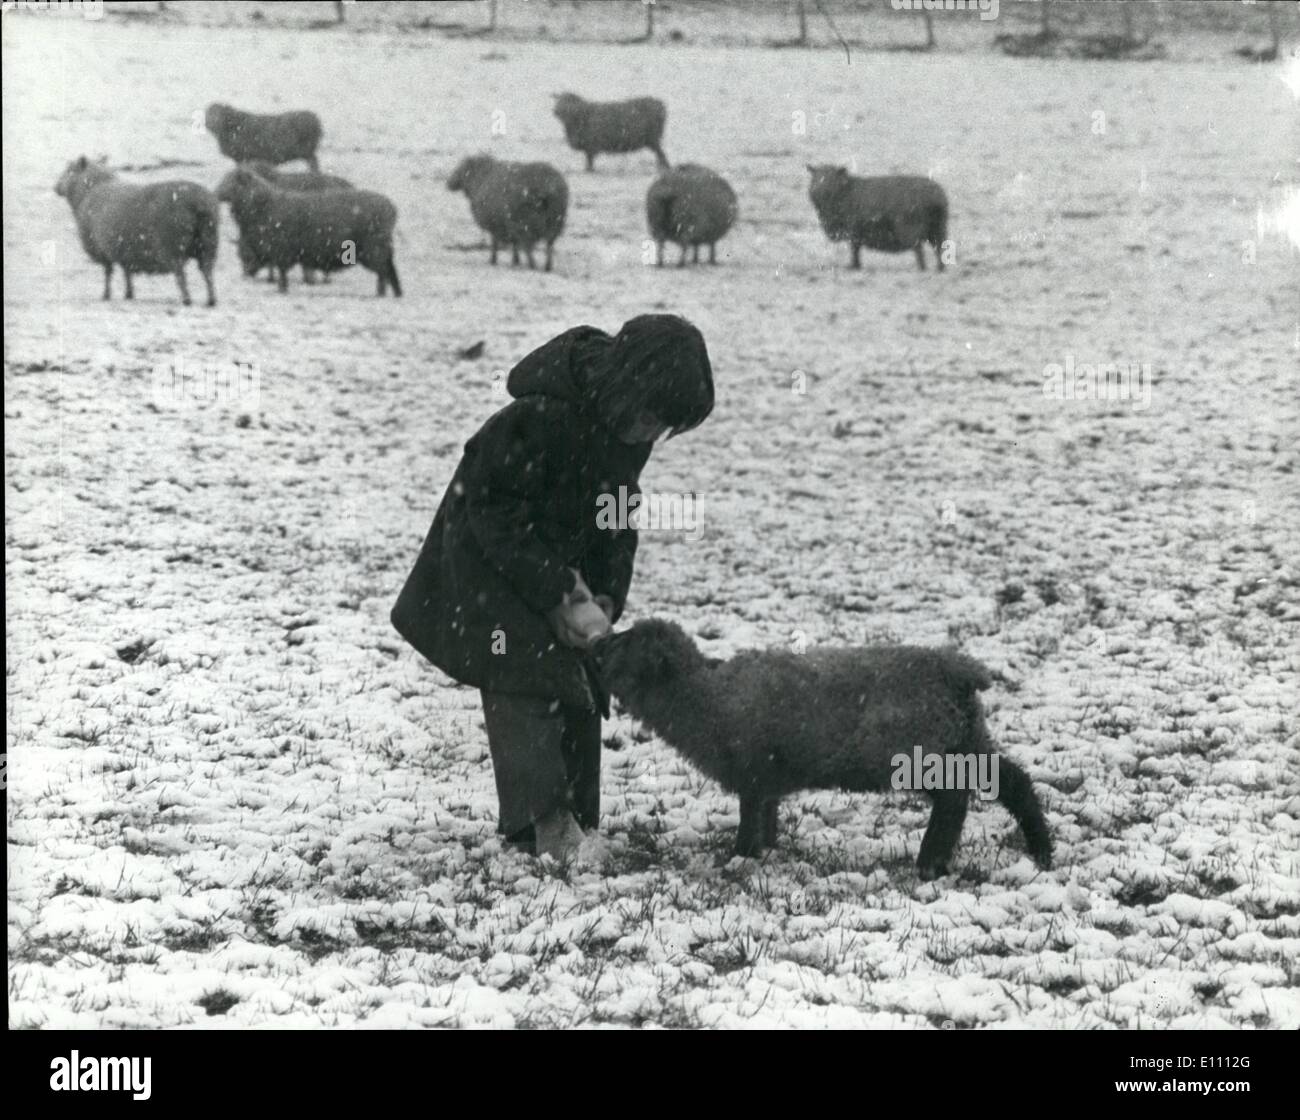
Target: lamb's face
653, 654
467, 171
826, 177
233, 184
566, 105
214, 116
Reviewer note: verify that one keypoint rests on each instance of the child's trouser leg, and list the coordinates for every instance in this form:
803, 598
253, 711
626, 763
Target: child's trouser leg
524, 734
581, 748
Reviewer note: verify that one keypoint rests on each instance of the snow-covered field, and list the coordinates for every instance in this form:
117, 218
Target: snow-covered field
236, 798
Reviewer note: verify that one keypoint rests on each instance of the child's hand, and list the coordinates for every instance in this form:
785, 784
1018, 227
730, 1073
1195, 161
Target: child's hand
578, 620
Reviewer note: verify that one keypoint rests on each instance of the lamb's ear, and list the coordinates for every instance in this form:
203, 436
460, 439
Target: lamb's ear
82, 163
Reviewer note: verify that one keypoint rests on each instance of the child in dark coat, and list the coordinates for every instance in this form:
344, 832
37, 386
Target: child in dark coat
517, 577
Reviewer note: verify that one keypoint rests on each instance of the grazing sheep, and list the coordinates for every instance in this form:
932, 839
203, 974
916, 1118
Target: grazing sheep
612, 126
327, 230
891, 213
518, 204
150, 229
275, 137
309, 181
690, 206
769, 723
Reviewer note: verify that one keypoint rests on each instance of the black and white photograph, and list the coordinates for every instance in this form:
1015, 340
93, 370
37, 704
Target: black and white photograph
664, 514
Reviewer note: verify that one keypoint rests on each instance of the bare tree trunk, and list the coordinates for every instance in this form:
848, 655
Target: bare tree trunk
1272, 28
803, 24
492, 15
930, 41
338, 11
649, 19
1046, 28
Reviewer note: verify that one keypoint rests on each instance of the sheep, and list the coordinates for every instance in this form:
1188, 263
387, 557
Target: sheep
516, 203
328, 230
612, 126
309, 181
151, 229
891, 213
768, 723
691, 206
276, 137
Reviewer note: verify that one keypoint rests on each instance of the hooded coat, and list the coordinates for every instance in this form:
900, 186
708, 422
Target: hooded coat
520, 511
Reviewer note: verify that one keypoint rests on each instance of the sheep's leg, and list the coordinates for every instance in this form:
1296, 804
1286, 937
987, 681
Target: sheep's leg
492, 259
695, 254
180, 283
857, 256
312, 162
1016, 794
771, 821
283, 279
943, 831
937, 246
130, 288
681, 261
659, 254
528, 252
393, 281
206, 269
920, 257
749, 840
660, 158
550, 247
591, 161
514, 254
713, 252
381, 280
108, 276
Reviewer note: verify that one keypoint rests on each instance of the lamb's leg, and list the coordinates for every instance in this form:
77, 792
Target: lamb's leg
1016, 793
857, 256
749, 840
528, 252
550, 250
180, 283
312, 162
681, 261
514, 254
108, 276
713, 252
283, 279
695, 254
591, 161
920, 257
660, 158
493, 258
659, 254
943, 831
130, 288
771, 822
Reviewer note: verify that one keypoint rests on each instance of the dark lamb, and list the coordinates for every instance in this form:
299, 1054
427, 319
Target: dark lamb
149, 229
516, 204
309, 181
769, 723
593, 127
274, 137
889, 213
325, 231
690, 206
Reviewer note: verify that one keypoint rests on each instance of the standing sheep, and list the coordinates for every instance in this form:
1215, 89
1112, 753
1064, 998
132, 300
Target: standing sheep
518, 204
275, 137
690, 206
769, 723
309, 181
150, 229
612, 126
891, 213
328, 230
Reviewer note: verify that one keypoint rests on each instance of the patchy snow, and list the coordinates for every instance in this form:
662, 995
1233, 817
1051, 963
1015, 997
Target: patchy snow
236, 798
